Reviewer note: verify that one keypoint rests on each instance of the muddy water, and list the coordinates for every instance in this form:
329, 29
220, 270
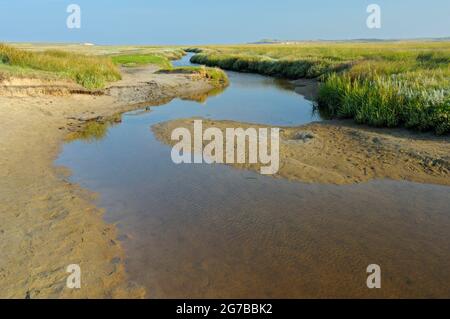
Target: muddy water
198, 231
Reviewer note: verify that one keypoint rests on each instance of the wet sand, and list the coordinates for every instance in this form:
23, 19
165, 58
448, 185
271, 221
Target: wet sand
339, 152
47, 223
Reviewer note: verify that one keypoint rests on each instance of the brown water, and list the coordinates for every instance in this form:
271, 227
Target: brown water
196, 231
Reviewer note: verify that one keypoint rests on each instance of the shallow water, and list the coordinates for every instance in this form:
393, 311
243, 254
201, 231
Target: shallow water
199, 231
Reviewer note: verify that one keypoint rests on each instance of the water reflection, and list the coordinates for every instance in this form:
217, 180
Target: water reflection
94, 130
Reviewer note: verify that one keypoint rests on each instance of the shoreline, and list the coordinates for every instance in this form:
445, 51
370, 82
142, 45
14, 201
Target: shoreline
46, 222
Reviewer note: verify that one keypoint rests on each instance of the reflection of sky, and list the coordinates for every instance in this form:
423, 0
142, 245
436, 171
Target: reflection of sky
232, 21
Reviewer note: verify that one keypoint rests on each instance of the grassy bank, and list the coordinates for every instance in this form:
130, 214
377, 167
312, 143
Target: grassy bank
91, 66
291, 69
215, 76
381, 84
92, 72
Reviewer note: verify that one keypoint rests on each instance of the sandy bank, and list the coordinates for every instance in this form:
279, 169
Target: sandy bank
343, 153
47, 223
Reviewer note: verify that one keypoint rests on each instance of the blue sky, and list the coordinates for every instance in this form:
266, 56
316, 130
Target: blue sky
209, 21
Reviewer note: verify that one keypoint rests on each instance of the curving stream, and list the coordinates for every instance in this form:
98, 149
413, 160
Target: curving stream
196, 231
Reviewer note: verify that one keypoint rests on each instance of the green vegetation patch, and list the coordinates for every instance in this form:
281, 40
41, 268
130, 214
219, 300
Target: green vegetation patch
92, 72
311, 67
381, 84
11, 71
419, 100
132, 60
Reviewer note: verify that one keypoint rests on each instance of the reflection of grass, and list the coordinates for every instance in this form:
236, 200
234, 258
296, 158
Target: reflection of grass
95, 130
92, 72
201, 98
381, 84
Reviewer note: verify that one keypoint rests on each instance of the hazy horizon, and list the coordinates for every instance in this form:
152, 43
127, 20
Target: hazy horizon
431, 39
159, 22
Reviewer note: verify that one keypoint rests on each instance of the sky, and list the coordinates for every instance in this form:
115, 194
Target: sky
217, 21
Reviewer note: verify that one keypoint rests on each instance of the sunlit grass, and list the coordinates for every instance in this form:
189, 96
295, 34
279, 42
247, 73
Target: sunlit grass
92, 72
382, 84
140, 59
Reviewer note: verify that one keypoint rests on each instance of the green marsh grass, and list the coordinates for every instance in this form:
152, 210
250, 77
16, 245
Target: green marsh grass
387, 84
92, 72
144, 56
133, 60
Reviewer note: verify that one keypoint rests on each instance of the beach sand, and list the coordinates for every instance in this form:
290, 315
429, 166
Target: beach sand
340, 152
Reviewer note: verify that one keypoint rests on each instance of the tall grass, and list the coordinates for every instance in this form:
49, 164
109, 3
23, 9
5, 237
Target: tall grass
388, 101
380, 84
92, 72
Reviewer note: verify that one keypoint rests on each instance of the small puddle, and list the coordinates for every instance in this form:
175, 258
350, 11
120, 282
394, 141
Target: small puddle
199, 231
